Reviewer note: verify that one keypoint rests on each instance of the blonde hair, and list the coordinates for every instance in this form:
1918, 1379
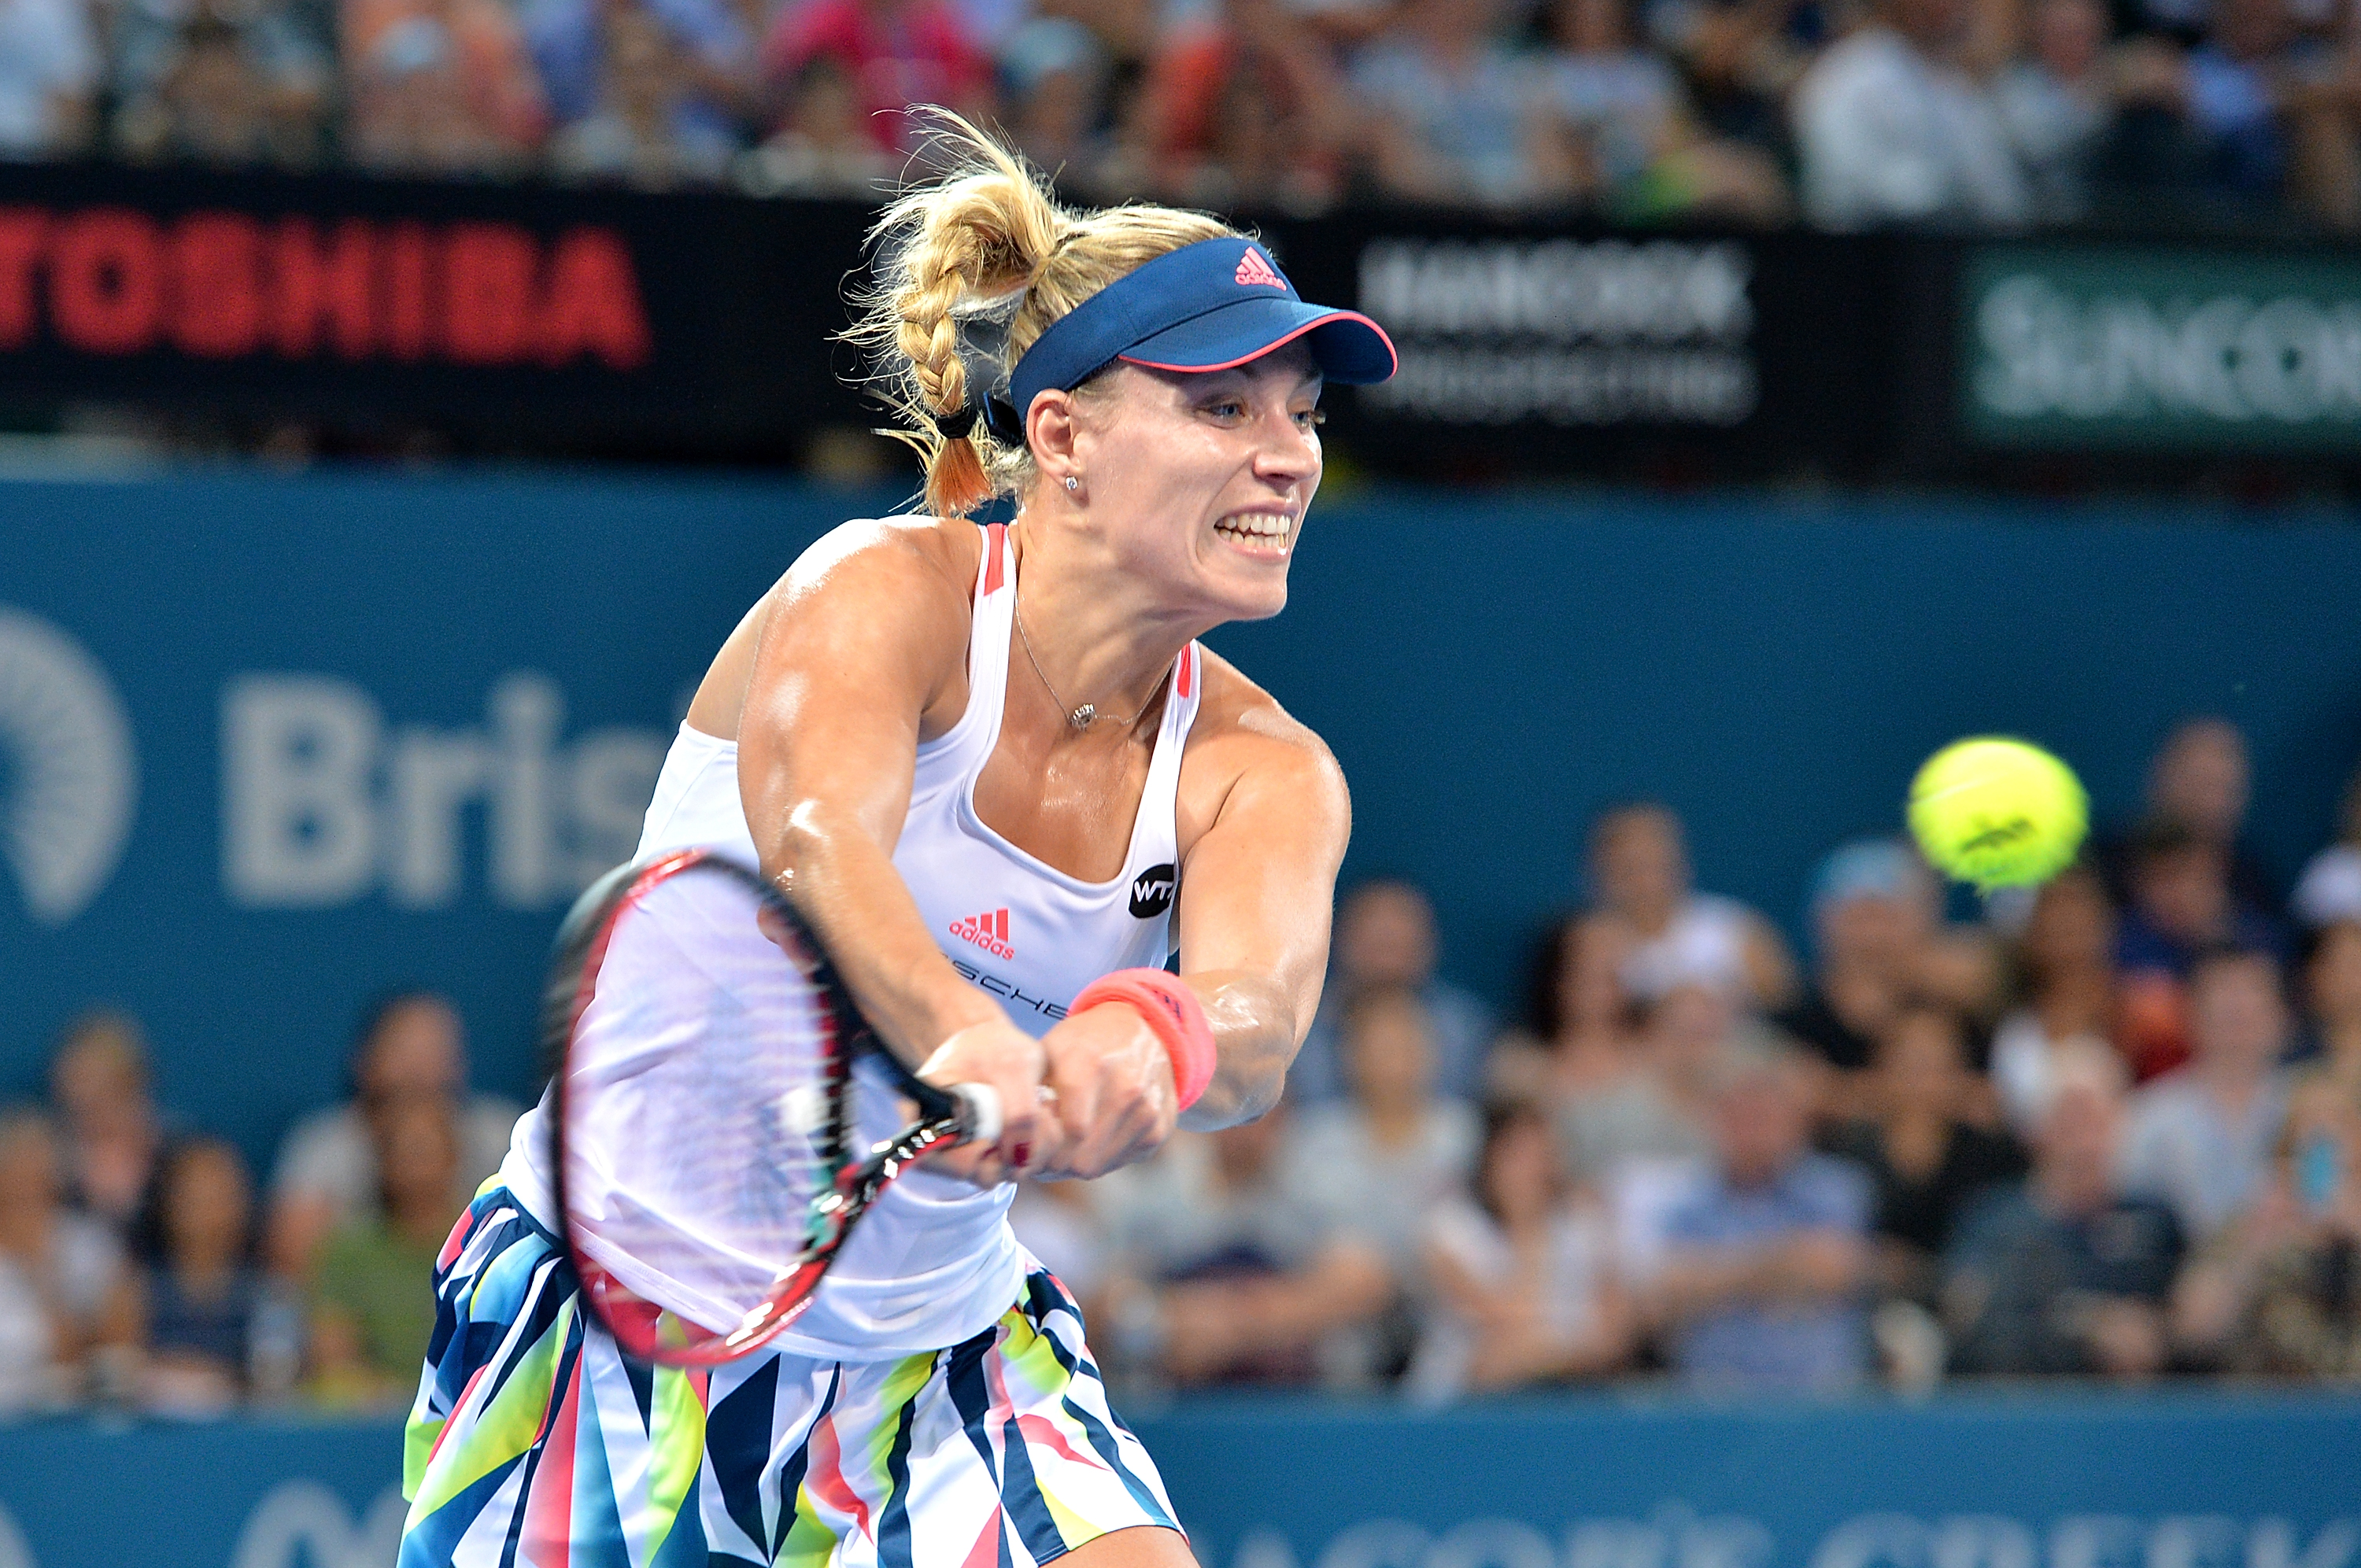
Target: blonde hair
971, 268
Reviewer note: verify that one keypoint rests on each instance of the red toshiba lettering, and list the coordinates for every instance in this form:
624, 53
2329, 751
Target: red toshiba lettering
594, 303
217, 285
22, 229
487, 294
106, 281
409, 323
315, 285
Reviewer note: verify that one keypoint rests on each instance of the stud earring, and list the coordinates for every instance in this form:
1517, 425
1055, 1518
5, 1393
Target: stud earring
1073, 484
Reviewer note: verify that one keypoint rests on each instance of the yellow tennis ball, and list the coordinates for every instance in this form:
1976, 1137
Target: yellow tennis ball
1998, 813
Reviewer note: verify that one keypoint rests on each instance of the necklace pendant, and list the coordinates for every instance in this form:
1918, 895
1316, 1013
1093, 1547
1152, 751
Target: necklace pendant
1081, 718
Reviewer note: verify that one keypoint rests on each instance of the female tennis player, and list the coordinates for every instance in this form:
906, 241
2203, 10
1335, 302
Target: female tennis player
995, 772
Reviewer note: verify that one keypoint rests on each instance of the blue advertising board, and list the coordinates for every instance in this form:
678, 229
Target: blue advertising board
271, 744
2087, 1480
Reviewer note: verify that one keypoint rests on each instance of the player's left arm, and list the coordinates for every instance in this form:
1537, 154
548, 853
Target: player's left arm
1257, 892
1256, 887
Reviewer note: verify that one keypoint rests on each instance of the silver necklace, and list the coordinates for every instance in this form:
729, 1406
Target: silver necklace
1080, 718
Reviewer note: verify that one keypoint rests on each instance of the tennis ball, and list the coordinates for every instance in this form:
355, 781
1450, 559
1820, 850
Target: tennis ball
1998, 813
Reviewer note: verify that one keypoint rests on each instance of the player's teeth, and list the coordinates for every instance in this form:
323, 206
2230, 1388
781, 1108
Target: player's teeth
1256, 525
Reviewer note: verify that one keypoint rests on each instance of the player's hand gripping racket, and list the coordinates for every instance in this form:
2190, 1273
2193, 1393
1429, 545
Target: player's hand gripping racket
710, 1072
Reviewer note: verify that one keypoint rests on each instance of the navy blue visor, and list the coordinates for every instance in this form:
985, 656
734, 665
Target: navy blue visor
1207, 306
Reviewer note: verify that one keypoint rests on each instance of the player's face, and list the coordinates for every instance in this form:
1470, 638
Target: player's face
1204, 478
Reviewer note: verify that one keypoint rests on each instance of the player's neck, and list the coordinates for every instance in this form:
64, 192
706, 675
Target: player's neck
1098, 637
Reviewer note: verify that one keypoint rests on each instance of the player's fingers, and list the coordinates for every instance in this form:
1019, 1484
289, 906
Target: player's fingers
1132, 1116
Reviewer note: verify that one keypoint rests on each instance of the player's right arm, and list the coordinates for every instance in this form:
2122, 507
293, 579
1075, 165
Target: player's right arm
863, 638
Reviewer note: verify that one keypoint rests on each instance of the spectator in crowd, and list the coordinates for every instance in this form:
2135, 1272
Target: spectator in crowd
202, 1295
894, 53
49, 75
1057, 75
2201, 1137
1740, 61
218, 81
2332, 984
2330, 888
1525, 1282
2056, 105
112, 1133
2062, 1273
2066, 961
704, 49
1660, 1108
439, 87
372, 1297
1893, 131
1248, 106
2181, 906
1635, 149
409, 1050
1393, 1149
1452, 114
1767, 1255
821, 145
1386, 936
1579, 1031
69, 1311
1225, 1273
1671, 934
651, 124
1926, 1163
2278, 1294
1881, 944
2201, 780
2237, 100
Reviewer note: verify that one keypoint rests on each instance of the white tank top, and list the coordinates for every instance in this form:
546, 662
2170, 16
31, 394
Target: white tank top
934, 1262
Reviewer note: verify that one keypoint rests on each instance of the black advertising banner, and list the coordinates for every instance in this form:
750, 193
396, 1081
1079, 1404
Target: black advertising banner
571, 322
589, 321
518, 310
1532, 349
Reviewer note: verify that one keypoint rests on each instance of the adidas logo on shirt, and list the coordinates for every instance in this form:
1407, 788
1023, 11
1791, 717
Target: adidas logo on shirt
1253, 268
988, 931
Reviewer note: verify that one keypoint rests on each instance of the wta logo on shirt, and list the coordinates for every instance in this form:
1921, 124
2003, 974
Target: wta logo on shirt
988, 931
1152, 889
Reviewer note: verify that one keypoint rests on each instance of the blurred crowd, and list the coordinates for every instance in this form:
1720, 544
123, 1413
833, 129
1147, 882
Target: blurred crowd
2111, 1129
1852, 113
140, 1268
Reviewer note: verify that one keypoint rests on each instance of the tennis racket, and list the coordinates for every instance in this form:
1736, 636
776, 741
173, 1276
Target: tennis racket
709, 1073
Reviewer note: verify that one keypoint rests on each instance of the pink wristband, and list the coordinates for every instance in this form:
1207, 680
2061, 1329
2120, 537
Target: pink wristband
1173, 1011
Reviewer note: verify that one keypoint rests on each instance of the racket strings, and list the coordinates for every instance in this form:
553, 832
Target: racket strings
707, 1086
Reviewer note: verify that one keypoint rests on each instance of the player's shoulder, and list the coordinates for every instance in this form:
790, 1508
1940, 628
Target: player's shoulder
891, 554
1249, 732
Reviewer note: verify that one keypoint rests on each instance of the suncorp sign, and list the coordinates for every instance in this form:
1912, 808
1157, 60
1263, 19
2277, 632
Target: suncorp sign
2065, 346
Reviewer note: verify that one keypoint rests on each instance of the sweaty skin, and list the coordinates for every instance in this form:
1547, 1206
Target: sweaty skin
1192, 490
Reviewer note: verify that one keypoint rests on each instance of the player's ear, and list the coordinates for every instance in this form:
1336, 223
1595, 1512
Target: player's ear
1049, 431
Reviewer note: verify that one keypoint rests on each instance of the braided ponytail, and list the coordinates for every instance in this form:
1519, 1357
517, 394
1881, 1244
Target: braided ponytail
986, 243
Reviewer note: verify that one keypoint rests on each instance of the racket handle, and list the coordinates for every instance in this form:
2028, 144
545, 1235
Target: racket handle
979, 1112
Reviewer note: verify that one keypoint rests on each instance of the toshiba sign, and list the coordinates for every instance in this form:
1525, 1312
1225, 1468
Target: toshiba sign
229, 285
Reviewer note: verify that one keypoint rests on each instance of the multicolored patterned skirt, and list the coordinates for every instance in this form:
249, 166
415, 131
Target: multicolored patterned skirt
533, 1443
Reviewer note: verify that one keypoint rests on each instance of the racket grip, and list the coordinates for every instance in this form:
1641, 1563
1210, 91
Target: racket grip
979, 1112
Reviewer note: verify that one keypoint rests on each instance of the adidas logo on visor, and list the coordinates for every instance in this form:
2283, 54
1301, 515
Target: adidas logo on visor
1253, 268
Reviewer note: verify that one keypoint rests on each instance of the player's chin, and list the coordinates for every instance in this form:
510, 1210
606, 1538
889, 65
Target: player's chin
1247, 584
